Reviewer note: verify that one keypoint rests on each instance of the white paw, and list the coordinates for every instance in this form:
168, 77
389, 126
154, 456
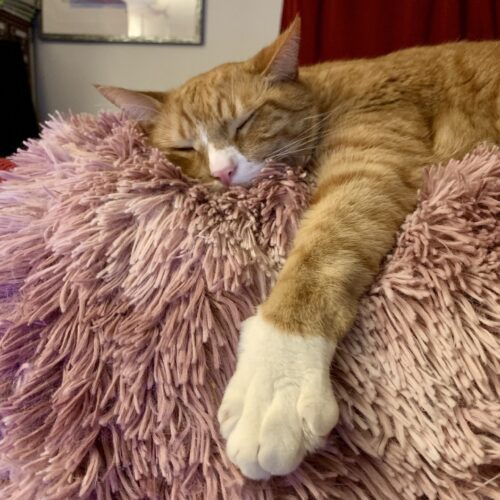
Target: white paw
279, 404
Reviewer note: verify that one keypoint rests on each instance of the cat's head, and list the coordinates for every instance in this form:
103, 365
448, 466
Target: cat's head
227, 123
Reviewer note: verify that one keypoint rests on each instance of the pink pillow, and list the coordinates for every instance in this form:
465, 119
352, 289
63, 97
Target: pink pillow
122, 286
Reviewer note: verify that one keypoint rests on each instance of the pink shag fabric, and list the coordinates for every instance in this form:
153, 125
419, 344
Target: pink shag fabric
122, 285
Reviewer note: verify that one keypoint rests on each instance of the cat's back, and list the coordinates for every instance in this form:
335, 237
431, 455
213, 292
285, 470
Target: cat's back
454, 86
438, 68
457, 69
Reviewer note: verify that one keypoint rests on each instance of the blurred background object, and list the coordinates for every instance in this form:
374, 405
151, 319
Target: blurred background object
124, 21
18, 119
346, 29
66, 70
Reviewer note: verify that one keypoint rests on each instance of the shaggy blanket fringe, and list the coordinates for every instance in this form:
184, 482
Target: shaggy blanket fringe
122, 286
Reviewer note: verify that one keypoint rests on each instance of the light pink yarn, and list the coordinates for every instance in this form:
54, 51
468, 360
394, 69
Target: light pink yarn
122, 285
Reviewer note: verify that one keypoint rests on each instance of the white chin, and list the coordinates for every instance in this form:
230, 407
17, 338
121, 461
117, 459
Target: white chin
246, 175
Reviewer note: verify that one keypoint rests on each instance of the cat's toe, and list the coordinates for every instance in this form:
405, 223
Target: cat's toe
231, 408
268, 438
317, 409
243, 448
281, 438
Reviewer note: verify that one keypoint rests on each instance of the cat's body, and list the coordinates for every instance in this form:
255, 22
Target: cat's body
390, 116
367, 127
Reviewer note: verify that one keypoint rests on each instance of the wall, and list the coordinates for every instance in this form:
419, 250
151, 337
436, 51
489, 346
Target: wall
234, 30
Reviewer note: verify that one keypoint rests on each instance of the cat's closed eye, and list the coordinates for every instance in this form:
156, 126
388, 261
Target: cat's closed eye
243, 121
183, 149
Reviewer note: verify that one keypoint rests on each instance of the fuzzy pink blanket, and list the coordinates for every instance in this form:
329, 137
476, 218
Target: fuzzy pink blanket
122, 285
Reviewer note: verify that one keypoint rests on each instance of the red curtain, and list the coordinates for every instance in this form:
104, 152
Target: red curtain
340, 29
6, 165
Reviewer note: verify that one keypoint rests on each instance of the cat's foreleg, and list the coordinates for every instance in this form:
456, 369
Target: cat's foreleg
279, 404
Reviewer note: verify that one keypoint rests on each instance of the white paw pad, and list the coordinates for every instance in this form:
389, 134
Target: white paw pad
279, 404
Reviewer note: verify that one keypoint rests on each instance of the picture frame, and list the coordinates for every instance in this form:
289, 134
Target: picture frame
177, 22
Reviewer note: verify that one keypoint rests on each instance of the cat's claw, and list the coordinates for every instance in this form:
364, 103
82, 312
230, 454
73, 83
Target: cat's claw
279, 404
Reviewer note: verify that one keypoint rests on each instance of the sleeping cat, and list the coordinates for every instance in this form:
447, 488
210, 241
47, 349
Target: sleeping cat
366, 127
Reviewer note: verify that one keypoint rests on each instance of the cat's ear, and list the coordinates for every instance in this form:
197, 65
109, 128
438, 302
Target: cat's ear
280, 60
142, 106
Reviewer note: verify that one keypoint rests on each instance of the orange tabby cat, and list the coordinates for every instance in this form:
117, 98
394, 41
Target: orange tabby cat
368, 127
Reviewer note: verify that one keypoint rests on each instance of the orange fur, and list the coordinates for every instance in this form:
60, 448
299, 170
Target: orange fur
391, 116
368, 127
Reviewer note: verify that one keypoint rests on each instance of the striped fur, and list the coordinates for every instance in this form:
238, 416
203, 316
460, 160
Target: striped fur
366, 127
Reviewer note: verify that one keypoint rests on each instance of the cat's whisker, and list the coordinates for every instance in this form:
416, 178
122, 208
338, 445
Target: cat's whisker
294, 152
302, 141
306, 134
299, 140
303, 144
318, 115
283, 157
298, 147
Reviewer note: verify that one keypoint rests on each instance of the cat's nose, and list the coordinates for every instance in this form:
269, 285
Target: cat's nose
225, 174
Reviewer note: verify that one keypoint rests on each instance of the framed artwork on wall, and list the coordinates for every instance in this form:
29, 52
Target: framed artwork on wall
137, 21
